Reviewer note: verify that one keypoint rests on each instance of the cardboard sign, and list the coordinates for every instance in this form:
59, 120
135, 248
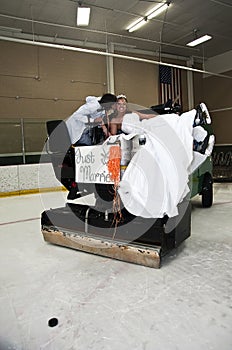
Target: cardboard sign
91, 164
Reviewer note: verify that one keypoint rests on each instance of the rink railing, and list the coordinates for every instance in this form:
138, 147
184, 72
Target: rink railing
22, 141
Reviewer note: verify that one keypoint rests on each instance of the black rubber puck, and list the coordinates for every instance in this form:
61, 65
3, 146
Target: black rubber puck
53, 322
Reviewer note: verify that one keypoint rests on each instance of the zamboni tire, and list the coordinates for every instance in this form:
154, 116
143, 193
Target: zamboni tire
207, 191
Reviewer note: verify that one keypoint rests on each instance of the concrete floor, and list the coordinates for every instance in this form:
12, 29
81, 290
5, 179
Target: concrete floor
102, 303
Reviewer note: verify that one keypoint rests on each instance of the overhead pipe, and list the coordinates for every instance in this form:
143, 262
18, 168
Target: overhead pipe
101, 32
109, 54
119, 46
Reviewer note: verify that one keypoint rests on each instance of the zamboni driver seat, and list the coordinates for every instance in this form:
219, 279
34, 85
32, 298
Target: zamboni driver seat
62, 154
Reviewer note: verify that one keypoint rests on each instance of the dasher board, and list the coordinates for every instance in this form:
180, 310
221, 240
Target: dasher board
133, 253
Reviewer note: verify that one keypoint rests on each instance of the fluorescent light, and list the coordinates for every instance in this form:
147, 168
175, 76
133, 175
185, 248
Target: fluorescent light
137, 24
200, 40
155, 11
83, 14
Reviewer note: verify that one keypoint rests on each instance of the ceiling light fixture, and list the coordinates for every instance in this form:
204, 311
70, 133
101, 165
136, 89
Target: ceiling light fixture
137, 24
83, 15
155, 11
200, 40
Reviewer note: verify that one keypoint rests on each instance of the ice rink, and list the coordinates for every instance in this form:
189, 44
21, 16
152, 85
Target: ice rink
105, 304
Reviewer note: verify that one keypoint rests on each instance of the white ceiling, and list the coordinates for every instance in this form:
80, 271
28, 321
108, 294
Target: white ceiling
55, 21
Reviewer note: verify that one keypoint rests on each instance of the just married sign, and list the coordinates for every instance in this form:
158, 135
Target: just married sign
91, 164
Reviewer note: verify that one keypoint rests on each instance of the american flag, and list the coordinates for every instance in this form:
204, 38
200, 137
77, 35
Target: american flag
170, 84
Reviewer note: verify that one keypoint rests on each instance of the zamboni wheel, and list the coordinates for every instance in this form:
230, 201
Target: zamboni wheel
207, 191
